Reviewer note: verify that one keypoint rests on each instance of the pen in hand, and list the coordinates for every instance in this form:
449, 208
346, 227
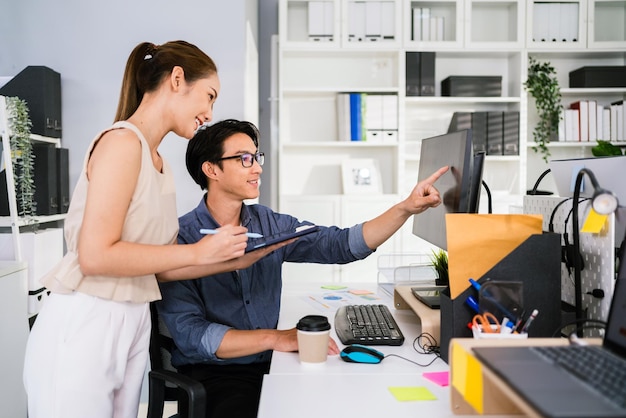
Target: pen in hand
214, 231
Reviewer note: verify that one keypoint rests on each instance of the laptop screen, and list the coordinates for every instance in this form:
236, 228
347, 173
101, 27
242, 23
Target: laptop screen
615, 336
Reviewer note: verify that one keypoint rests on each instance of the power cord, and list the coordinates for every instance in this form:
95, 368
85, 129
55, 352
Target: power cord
580, 325
429, 347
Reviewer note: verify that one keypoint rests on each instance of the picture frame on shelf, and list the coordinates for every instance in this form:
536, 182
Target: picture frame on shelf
361, 176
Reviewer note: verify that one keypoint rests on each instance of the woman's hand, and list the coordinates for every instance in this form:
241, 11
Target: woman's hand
229, 242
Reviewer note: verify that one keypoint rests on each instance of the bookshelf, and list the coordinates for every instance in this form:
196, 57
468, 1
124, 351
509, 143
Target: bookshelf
479, 38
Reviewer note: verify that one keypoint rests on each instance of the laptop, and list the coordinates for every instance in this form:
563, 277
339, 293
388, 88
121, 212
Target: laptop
429, 296
555, 392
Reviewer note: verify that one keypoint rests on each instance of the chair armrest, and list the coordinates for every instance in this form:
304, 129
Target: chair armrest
194, 389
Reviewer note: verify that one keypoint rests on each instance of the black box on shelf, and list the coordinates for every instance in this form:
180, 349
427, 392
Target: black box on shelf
40, 88
601, 76
472, 86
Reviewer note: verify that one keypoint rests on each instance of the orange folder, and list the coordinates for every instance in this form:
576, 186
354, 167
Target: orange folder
477, 242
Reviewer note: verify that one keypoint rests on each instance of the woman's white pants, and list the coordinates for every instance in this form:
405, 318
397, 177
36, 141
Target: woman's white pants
86, 357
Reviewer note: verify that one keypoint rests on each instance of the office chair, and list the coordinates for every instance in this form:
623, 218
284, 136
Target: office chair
165, 383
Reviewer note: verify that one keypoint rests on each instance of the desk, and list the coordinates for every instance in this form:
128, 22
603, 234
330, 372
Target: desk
497, 395
340, 389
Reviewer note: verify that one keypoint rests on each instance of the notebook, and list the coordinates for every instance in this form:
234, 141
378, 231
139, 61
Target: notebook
551, 390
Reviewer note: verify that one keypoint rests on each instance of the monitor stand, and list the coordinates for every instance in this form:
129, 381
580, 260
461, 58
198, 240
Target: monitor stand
430, 319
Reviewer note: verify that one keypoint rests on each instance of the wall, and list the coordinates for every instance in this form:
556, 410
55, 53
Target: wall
89, 42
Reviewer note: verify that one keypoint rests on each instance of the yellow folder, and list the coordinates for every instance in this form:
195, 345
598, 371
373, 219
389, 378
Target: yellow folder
477, 242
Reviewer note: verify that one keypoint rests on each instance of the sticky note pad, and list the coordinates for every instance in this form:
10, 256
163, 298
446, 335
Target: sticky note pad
459, 359
333, 287
360, 292
474, 389
440, 378
594, 222
412, 393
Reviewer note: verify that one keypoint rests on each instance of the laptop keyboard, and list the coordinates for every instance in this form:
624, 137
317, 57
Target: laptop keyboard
599, 368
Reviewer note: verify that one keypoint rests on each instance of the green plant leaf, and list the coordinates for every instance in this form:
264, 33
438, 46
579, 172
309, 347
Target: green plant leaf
22, 155
543, 86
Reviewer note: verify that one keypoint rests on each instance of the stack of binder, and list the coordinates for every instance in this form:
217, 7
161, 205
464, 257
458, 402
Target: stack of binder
370, 21
367, 117
420, 73
495, 132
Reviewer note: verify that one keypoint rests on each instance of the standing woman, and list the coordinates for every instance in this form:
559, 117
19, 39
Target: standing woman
88, 350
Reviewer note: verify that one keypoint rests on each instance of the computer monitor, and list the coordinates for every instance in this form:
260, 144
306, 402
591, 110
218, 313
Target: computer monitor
459, 187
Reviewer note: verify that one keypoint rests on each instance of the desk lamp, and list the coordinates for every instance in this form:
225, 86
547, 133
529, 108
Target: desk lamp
534, 190
603, 202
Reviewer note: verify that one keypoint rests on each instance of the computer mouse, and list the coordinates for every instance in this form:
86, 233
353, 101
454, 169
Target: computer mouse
357, 353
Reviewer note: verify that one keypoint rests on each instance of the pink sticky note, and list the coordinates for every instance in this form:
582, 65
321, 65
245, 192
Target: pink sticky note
440, 378
360, 292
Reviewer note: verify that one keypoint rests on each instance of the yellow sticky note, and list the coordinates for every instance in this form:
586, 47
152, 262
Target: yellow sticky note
594, 222
412, 393
474, 387
459, 362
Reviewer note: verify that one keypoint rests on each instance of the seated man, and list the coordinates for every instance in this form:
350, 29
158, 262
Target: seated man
224, 325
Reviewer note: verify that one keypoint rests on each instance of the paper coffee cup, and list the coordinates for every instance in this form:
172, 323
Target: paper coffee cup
313, 336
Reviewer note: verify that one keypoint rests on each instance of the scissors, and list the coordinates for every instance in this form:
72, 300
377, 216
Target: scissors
486, 322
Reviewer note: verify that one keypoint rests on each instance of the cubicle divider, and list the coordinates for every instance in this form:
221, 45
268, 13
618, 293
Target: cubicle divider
537, 264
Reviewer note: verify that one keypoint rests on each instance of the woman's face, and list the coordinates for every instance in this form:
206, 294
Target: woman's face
195, 104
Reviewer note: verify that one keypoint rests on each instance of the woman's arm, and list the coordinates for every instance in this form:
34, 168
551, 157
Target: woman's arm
238, 263
113, 171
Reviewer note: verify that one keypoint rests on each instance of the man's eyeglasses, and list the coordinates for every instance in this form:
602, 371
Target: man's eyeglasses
247, 160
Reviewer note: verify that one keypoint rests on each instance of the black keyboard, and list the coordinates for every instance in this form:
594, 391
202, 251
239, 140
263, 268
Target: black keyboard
600, 369
367, 325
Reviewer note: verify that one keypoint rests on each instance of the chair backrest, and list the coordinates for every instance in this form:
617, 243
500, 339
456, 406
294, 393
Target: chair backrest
161, 346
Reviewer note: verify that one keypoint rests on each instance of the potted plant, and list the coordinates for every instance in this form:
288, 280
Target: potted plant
22, 156
605, 149
543, 86
439, 261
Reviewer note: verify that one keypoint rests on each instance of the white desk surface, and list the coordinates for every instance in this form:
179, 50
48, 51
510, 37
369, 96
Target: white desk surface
340, 389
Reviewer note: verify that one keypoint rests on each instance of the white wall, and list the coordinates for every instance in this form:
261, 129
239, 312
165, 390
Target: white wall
88, 44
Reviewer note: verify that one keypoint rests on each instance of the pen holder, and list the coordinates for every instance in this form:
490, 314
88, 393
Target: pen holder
477, 332
537, 264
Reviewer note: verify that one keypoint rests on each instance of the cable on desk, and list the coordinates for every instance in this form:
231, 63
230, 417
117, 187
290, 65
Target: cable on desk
430, 347
580, 325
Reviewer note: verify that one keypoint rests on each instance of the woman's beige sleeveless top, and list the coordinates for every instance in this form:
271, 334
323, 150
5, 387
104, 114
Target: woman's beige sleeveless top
151, 219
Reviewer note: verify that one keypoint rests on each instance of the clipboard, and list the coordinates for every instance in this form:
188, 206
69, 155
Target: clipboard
258, 243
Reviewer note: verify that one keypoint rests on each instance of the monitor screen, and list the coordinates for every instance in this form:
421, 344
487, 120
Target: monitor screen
459, 187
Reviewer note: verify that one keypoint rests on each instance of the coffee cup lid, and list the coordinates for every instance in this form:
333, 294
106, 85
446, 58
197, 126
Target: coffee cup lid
313, 323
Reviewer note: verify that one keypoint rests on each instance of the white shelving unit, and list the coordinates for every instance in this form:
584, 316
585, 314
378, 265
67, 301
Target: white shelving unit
479, 37
39, 250
14, 221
